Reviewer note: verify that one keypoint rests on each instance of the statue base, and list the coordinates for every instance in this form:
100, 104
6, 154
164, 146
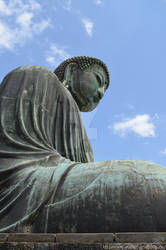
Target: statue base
83, 241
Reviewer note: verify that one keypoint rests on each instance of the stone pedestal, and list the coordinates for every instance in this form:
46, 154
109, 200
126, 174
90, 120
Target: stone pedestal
83, 241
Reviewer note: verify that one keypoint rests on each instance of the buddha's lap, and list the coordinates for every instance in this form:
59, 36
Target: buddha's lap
126, 195
116, 175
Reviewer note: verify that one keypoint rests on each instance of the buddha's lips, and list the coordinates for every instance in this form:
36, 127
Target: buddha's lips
86, 103
96, 99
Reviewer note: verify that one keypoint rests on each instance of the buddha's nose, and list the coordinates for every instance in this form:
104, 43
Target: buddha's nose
100, 92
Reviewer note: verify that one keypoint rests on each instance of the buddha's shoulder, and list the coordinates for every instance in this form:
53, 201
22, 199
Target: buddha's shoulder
32, 71
32, 68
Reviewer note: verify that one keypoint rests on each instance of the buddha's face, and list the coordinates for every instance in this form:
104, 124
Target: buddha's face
88, 86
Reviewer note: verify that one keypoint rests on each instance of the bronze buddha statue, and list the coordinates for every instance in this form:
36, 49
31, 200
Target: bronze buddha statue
49, 182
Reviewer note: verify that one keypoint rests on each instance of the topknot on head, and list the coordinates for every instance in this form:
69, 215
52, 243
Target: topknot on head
83, 63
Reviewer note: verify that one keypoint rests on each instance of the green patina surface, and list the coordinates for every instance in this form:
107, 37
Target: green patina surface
49, 182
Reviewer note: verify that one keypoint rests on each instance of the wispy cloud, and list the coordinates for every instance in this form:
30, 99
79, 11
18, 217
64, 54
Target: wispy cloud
17, 6
23, 23
140, 124
34, 5
7, 37
88, 26
98, 2
4, 8
40, 27
56, 54
66, 4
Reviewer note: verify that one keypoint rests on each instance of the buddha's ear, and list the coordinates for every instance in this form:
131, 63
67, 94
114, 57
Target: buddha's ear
70, 68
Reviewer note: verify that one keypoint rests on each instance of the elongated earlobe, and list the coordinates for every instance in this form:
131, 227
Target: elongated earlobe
70, 68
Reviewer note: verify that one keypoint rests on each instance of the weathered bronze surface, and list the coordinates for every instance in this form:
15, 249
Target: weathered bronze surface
49, 182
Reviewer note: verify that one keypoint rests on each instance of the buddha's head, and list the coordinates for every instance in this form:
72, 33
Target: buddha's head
87, 79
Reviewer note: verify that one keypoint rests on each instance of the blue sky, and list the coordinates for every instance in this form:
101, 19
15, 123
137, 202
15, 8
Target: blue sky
128, 35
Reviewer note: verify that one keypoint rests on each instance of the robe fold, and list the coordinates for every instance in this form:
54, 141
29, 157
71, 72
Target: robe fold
41, 139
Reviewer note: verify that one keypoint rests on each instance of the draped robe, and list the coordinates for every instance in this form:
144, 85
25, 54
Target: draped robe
41, 139
48, 180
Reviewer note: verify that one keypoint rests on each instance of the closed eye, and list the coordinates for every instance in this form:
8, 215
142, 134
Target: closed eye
99, 80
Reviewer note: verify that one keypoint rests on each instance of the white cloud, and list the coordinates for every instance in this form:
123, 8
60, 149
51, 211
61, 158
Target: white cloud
59, 51
56, 54
88, 26
39, 27
66, 4
140, 124
7, 37
51, 60
4, 8
34, 5
163, 151
98, 2
17, 6
23, 23
25, 20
